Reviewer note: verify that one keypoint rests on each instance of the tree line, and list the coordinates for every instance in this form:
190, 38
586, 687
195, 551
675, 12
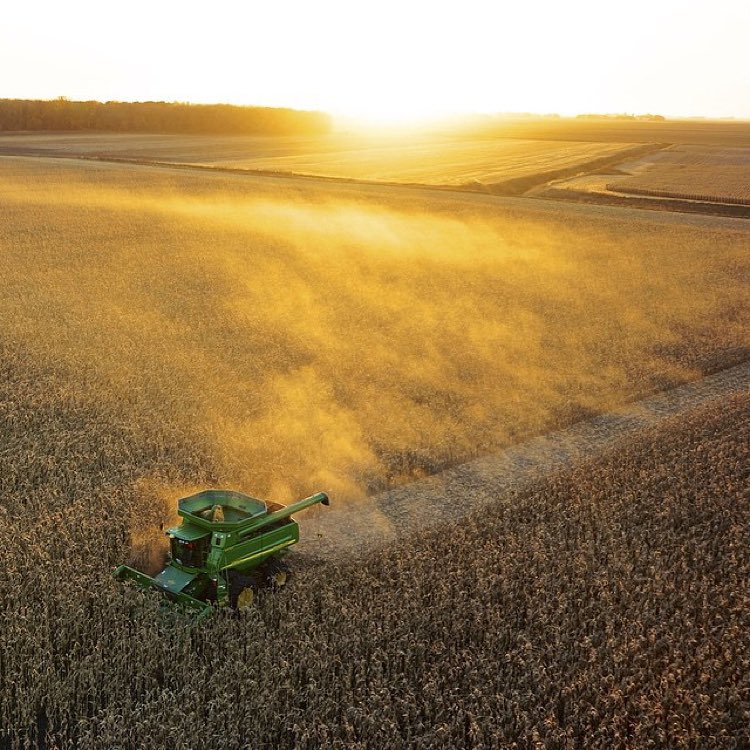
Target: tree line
158, 117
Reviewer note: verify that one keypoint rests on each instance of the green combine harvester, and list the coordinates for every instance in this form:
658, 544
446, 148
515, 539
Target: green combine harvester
227, 547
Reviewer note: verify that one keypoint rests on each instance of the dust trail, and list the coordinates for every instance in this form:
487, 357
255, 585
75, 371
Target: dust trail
342, 531
153, 509
308, 341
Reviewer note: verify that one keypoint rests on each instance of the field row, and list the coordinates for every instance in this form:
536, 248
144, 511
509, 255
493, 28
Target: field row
678, 194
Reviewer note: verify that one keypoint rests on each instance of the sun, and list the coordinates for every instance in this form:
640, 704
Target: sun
387, 114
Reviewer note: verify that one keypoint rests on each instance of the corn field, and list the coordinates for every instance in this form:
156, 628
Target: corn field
165, 331
607, 607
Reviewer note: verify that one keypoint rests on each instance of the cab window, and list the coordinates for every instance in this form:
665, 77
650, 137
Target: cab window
191, 553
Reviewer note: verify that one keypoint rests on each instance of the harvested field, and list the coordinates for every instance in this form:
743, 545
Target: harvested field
451, 496
424, 159
720, 175
697, 179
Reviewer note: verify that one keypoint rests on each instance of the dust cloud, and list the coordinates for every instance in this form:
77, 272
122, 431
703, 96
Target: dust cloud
318, 340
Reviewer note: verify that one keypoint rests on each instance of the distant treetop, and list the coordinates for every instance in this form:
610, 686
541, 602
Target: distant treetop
646, 118
158, 117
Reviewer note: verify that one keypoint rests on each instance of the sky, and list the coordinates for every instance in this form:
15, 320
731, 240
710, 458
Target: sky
387, 61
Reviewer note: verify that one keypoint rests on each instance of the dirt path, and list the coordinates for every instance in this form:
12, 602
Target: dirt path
350, 529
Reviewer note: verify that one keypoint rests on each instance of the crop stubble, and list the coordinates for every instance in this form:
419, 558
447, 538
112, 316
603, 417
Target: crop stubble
690, 172
420, 158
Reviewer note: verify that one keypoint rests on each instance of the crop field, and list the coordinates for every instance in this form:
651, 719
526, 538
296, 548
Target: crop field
605, 607
721, 133
276, 328
698, 173
442, 163
164, 329
429, 160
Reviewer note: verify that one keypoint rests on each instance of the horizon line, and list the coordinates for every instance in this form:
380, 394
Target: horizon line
358, 117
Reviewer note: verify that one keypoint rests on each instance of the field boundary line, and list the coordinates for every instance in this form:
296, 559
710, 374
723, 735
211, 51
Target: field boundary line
676, 194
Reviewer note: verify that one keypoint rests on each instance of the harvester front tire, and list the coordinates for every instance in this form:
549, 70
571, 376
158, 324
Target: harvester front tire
242, 591
245, 598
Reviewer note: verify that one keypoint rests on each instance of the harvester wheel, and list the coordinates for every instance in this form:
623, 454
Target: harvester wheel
245, 598
277, 574
242, 591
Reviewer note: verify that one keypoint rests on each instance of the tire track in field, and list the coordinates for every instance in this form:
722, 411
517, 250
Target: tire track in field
347, 530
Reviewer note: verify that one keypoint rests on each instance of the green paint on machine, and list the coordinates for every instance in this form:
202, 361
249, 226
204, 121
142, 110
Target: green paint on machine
227, 546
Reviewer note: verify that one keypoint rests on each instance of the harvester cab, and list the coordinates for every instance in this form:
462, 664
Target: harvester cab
227, 547
187, 549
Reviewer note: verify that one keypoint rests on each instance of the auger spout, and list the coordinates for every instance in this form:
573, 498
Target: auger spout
287, 511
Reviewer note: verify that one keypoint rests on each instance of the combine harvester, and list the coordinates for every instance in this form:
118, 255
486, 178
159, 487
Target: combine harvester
227, 547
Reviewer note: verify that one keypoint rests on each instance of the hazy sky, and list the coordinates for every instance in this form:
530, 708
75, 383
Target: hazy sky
387, 59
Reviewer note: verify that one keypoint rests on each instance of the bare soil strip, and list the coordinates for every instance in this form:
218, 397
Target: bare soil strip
348, 530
